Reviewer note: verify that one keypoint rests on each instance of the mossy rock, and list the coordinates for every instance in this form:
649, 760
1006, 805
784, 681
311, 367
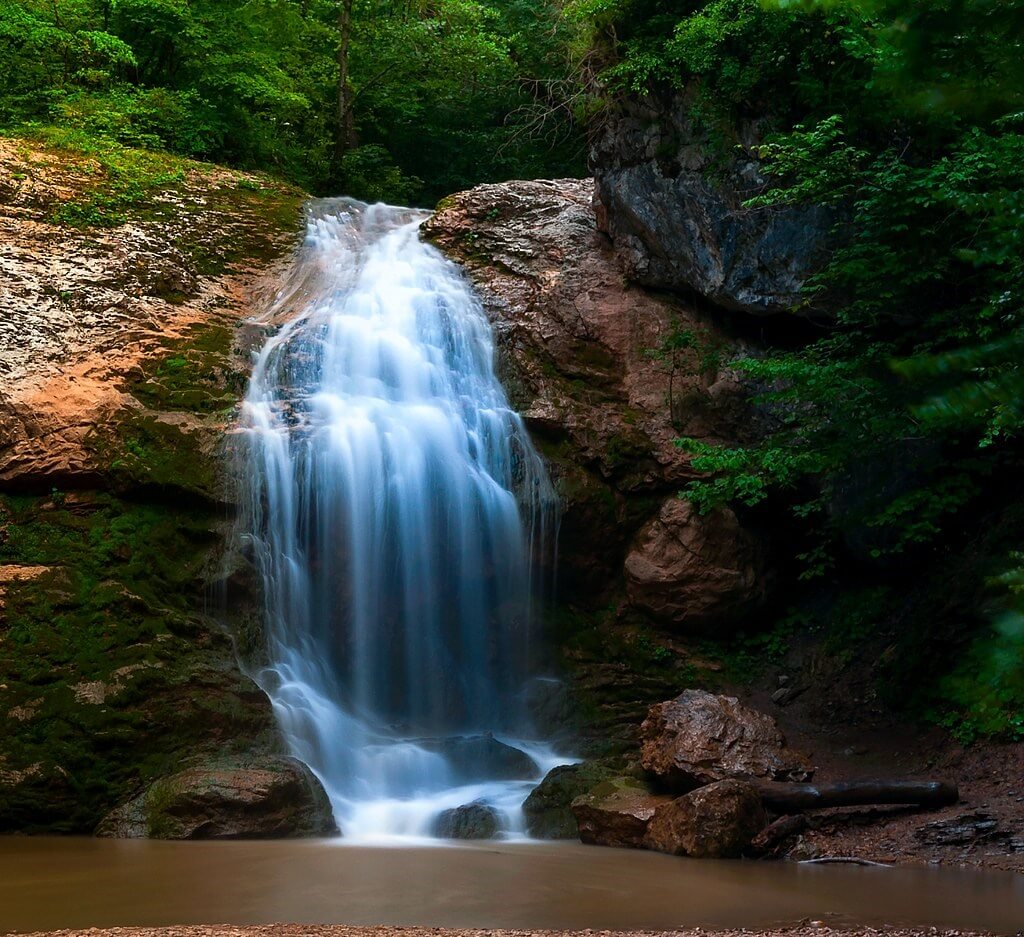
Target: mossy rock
227, 798
548, 808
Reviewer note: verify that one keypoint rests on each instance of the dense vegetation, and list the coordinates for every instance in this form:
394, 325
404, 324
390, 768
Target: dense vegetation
403, 100
896, 428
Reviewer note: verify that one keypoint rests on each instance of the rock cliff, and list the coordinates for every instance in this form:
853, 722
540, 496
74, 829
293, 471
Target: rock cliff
608, 375
671, 199
118, 373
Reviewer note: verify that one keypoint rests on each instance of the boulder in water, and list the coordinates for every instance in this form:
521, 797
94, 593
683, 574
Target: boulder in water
470, 821
616, 812
698, 738
548, 809
718, 821
231, 799
475, 758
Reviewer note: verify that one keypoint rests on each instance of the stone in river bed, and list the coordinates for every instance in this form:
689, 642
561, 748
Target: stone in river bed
698, 738
470, 821
231, 799
616, 812
718, 821
548, 809
475, 758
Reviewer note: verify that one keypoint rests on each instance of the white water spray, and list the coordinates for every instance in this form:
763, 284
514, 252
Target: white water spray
398, 515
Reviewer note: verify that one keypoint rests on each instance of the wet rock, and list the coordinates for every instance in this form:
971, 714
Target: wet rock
960, 830
671, 199
469, 821
694, 571
698, 738
233, 799
482, 757
617, 812
574, 348
548, 809
714, 822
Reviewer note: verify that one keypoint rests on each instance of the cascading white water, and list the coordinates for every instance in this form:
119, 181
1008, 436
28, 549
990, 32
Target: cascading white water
398, 514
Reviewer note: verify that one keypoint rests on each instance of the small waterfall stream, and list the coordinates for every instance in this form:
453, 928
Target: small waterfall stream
398, 515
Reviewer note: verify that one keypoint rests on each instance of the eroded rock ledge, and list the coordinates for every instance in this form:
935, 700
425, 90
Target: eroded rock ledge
608, 376
119, 371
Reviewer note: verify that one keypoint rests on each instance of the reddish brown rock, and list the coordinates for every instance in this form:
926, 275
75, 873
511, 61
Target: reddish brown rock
714, 822
237, 799
699, 738
616, 812
577, 353
692, 570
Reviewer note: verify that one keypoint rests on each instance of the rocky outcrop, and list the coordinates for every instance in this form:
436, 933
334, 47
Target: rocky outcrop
548, 809
469, 821
577, 351
617, 812
695, 571
608, 375
699, 738
234, 799
119, 369
671, 199
718, 821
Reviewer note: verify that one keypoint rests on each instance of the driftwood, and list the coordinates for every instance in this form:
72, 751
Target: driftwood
845, 860
783, 797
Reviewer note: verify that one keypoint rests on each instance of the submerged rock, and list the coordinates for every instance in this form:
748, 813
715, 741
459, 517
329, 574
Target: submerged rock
718, 821
469, 821
234, 799
482, 758
693, 570
699, 738
548, 809
617, 812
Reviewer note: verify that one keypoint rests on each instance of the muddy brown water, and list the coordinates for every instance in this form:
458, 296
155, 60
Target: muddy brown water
50, 883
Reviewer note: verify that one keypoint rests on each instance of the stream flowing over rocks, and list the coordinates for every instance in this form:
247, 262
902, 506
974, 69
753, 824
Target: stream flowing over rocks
127, 602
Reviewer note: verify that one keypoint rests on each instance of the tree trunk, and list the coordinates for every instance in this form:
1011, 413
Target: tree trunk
787, 798
345, 122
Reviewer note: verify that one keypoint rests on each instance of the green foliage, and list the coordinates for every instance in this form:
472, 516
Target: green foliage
905, 411
444, 95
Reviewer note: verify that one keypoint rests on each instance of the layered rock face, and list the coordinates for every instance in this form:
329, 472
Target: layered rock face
671, 199
608, 375
576, 351
119, 369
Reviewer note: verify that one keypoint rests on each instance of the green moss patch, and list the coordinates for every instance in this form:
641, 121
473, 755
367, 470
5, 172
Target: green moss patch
113, 677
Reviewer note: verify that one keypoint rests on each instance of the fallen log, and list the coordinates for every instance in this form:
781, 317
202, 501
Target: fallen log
783, 797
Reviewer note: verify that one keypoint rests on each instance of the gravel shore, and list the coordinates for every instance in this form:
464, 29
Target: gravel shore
809, 929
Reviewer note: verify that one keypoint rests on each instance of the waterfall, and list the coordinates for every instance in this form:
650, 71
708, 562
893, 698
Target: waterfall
399, 516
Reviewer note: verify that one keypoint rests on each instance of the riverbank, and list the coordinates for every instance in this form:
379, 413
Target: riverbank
810, 929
